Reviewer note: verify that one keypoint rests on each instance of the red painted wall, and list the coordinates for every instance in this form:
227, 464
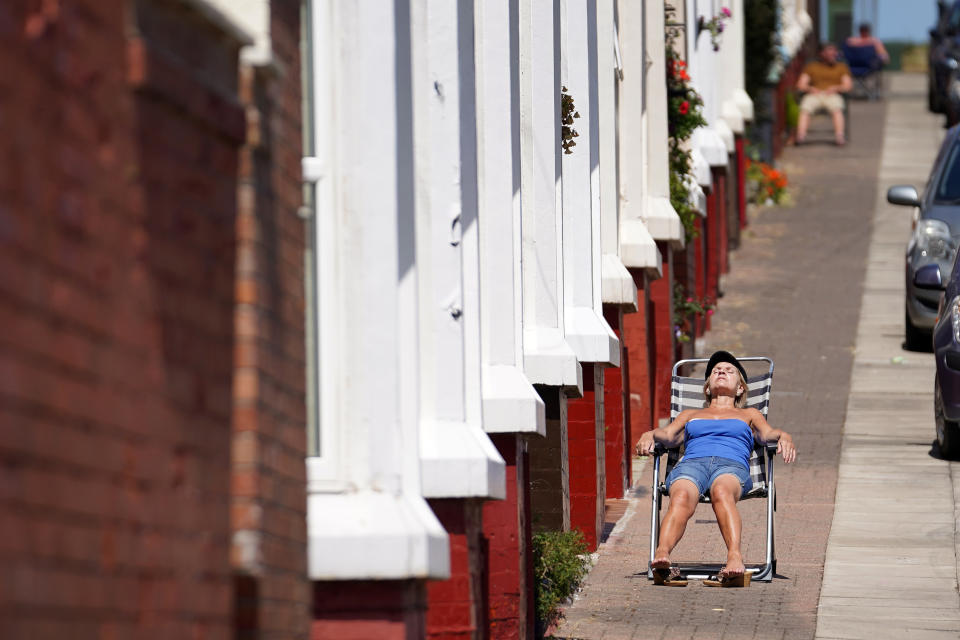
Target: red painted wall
617, 448
455, 606
507, 534
661, 301
368, 610
637, 334
586, 456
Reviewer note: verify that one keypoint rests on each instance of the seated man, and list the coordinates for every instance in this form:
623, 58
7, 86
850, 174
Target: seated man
823, 81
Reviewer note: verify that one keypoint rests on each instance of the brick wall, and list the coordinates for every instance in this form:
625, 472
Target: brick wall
616, 417
368, 610
660, 323
507, 540
456, 608
268, 509
117, 234
586, 461
641, 356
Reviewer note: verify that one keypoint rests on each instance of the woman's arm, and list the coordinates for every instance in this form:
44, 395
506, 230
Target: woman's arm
803, 84
763, 432
669, 436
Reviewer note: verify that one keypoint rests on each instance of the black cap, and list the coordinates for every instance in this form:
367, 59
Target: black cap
723, 356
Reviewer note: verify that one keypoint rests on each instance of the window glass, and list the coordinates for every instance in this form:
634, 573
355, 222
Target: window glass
949, 187
953, 22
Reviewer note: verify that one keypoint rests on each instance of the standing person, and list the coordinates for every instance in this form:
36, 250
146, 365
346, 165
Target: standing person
719, 439
824, 81
866, 39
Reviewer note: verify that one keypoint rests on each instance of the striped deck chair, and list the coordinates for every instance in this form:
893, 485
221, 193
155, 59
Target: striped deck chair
687, 393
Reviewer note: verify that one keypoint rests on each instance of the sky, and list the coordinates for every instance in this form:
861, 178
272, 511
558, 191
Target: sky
906, 20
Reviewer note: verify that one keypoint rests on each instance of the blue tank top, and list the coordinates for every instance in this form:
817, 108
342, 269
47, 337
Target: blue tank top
724, 438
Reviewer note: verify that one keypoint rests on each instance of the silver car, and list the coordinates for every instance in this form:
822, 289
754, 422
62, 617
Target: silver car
936, 234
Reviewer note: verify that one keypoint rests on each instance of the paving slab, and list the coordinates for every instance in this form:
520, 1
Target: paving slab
891, 569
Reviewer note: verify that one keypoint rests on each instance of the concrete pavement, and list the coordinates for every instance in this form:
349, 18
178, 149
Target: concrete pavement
891, 569
859, 407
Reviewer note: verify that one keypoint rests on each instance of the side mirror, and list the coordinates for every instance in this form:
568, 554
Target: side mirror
904, 195
928, 277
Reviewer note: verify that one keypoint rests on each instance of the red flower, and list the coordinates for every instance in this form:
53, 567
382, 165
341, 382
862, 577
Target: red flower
684, 108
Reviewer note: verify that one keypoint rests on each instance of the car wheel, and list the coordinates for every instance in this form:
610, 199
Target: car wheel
948, 433
932, 103
916, 338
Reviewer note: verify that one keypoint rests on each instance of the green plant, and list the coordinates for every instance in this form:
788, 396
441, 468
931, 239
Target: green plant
568, 111
686, 309
559, 566
684, 114
792, 111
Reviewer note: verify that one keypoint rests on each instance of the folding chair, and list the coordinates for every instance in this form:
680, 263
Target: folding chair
865, 66
687, 393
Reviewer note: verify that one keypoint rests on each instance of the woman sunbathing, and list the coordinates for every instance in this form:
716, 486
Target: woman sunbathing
719, 439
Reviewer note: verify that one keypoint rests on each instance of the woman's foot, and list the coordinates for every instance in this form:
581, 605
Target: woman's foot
661, 560
734, 566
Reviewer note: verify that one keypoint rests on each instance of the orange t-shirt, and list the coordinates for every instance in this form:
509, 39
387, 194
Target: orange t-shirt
824, 76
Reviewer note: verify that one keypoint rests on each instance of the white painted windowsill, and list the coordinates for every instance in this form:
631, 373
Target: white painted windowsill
616, 284
744, 103
662, 221
510, 403
711, 145
733, 117
457, 460
374, 535
549, 360
591, 337
638, 249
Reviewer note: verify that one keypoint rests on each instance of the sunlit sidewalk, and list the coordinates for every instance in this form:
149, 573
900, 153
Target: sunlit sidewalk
891, 566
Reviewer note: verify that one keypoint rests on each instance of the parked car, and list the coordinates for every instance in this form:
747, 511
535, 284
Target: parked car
943, 70
935, 237
946, 349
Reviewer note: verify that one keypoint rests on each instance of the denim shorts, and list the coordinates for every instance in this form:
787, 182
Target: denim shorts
704, 471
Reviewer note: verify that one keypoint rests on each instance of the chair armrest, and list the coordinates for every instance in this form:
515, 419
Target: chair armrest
771, 447
659, 449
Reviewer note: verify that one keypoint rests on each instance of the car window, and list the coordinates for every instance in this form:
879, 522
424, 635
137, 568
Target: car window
953, 22
949, 188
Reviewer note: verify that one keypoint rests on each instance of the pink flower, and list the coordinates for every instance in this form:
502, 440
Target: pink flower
726, 12
689, 299
709, 312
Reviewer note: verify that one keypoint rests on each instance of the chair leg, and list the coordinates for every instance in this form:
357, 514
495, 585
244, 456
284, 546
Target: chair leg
770, 566
654, 513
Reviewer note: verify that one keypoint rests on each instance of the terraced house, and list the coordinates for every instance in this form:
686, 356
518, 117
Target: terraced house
317, 310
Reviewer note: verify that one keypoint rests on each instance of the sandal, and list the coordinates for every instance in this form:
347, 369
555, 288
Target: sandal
669, 577
723, 579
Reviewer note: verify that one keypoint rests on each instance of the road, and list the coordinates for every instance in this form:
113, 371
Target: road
866, 520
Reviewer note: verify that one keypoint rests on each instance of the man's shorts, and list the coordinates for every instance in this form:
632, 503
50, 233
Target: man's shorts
816, 101
704, 471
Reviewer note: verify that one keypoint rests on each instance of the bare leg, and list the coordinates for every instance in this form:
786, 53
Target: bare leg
724, 495
803, 123
683, 502
838, 126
